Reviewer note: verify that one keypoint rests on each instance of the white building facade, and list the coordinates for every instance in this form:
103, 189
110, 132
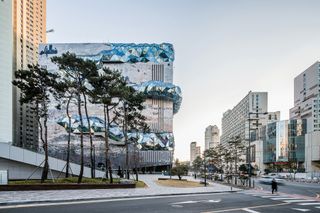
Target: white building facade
250, 113
307, 106
6, 70
307, 97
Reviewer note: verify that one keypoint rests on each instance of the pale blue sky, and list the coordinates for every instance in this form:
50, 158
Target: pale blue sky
223, 48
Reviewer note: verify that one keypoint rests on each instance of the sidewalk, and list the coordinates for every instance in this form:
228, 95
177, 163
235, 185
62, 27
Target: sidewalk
22, 197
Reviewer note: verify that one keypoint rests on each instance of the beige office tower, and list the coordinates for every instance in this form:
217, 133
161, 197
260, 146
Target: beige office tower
212, 137
195, 151
29, 28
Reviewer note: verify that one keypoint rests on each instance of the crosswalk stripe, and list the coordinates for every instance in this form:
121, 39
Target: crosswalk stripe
284, 198
297, 201
255, 193
250, 210
301, 210
308, 204
270, 196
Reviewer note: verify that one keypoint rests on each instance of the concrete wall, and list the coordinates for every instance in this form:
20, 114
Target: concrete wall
20, 162
258, 161
6, 69
18, 170
312, 152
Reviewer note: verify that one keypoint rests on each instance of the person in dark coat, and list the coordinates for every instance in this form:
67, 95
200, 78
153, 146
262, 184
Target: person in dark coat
274, 185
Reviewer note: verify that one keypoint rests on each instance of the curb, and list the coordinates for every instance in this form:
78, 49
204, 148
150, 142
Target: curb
8, 204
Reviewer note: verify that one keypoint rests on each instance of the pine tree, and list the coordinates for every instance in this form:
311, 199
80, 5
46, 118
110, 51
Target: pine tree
106, 91
78, 71
36, 84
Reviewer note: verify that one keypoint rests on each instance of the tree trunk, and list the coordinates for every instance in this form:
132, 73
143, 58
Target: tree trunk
45, 171
106, 141
136, 162
126, 140
81, 139
69, 138
90, 135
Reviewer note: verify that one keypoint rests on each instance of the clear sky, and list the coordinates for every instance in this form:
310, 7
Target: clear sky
223, 48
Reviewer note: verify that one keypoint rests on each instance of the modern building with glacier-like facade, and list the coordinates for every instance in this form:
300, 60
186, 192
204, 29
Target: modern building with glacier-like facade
149, 69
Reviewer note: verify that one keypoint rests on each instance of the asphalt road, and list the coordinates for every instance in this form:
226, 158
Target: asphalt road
306, 189
248, 201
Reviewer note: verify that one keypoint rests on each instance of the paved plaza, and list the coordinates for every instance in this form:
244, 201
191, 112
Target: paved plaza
15, 197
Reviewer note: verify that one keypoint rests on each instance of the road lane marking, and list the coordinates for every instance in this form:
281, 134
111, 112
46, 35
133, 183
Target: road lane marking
297, 201
309, 204
177, 206
251, 207
184, 202
284, 198
250, 210
214, 201
102, 200
196, 201
270, 196
301, 210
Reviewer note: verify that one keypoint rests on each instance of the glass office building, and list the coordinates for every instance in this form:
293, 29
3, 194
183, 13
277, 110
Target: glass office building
284, 141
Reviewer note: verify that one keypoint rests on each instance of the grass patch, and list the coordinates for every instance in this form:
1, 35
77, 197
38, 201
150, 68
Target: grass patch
65, 181
179, 183
140, 184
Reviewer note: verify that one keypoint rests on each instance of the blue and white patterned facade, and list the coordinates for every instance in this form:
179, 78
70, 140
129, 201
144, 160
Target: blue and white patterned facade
148, 68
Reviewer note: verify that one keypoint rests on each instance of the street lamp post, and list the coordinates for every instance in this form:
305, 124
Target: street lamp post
94, 160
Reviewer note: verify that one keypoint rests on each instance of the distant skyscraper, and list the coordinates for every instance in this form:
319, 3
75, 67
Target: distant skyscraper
307, 97
6, 69
195, 151
212, 137
235, 122
29, 30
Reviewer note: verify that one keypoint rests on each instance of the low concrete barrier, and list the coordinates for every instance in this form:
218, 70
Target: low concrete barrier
172, 179
69, 186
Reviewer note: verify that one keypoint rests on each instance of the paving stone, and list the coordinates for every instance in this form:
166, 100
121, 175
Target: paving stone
68, 195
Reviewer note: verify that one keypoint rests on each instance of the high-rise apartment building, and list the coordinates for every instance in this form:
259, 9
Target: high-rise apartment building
195, 151
29, 30
6, 69
307, 97
212, 137
307, 106
253, 110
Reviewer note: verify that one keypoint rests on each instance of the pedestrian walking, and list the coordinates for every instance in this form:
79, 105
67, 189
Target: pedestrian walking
274, 185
